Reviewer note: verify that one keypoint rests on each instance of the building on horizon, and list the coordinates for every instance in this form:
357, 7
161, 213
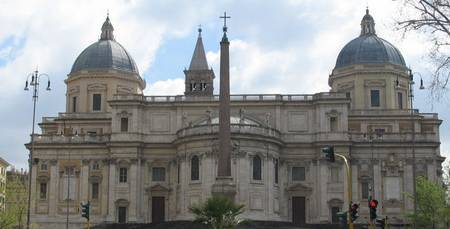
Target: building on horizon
3, 166
141, 158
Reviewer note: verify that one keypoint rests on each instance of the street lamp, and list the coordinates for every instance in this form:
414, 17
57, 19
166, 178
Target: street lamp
413, 135
34, 83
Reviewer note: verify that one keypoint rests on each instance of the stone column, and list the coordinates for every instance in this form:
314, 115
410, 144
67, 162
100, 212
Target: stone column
377, 181
409, 184
111, 191
355, 183
53, 188
34, 191
323, 196
132, 216
84, 181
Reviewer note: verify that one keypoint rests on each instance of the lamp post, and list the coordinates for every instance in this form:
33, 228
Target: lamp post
34, 83
413, 134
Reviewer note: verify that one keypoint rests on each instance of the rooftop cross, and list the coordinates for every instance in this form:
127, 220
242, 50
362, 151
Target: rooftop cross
225, 21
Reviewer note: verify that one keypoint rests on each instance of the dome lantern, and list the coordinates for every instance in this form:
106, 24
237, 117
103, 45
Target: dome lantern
367, 24
107, 30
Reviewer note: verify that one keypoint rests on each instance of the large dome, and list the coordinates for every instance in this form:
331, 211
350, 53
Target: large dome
105, 54
368, 48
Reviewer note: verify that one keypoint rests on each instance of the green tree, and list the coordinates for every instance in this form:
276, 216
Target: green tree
16, 203
432, 207
218, 212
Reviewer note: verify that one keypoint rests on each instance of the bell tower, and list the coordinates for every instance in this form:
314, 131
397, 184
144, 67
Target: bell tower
199, 78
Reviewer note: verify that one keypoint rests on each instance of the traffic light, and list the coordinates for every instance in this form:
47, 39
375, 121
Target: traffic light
85, 210
329, 153
354, 212
373, 209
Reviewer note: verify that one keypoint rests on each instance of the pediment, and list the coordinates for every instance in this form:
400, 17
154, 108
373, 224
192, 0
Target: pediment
299, 187
158, 188
96, 87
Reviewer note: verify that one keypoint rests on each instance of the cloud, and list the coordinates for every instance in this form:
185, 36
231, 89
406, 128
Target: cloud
276, 46
166, 87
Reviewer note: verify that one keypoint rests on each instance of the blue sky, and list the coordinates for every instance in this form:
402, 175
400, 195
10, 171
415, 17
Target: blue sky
277, 46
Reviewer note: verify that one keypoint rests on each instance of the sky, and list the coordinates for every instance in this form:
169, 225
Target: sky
277, 46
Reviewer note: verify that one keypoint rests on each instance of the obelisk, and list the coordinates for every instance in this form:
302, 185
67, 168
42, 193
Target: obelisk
224, 164
224, 184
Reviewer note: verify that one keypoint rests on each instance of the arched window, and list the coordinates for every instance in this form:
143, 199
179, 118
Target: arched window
256, 168
195, 168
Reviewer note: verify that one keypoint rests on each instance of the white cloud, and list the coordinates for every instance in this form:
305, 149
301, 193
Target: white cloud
166, 87
276, 46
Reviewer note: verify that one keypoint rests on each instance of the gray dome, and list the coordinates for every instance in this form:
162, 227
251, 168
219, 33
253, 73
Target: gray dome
105, 54
368, 48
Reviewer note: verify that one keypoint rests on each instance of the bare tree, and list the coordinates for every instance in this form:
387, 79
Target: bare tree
432, 18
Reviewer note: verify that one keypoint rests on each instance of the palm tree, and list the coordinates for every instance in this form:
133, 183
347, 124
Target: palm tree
218, 212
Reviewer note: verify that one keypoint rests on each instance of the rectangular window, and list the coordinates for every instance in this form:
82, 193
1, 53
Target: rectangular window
347, 95
95, 166
334, 174
124, 124
276, 170
158, 174
43, 167
123, 173
74, 104
96, 102
375, 98
43, 191
95, 191
400, 100
333, 124
334, 216
298, 173
365, 190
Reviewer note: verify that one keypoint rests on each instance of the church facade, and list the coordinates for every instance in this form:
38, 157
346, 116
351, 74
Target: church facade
141, 159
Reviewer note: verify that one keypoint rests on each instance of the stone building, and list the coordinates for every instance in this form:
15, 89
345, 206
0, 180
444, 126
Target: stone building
3, 166
141, 158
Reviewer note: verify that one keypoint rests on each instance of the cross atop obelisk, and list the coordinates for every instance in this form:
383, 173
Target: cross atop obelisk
225, 17
224, 164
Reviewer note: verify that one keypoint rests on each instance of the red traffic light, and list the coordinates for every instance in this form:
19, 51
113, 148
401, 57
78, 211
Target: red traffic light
373, 203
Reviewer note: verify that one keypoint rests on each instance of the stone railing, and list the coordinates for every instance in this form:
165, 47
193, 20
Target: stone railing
87, 115
237, 97
395, 137
378, 112
63, 139
235, 129
48, 119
